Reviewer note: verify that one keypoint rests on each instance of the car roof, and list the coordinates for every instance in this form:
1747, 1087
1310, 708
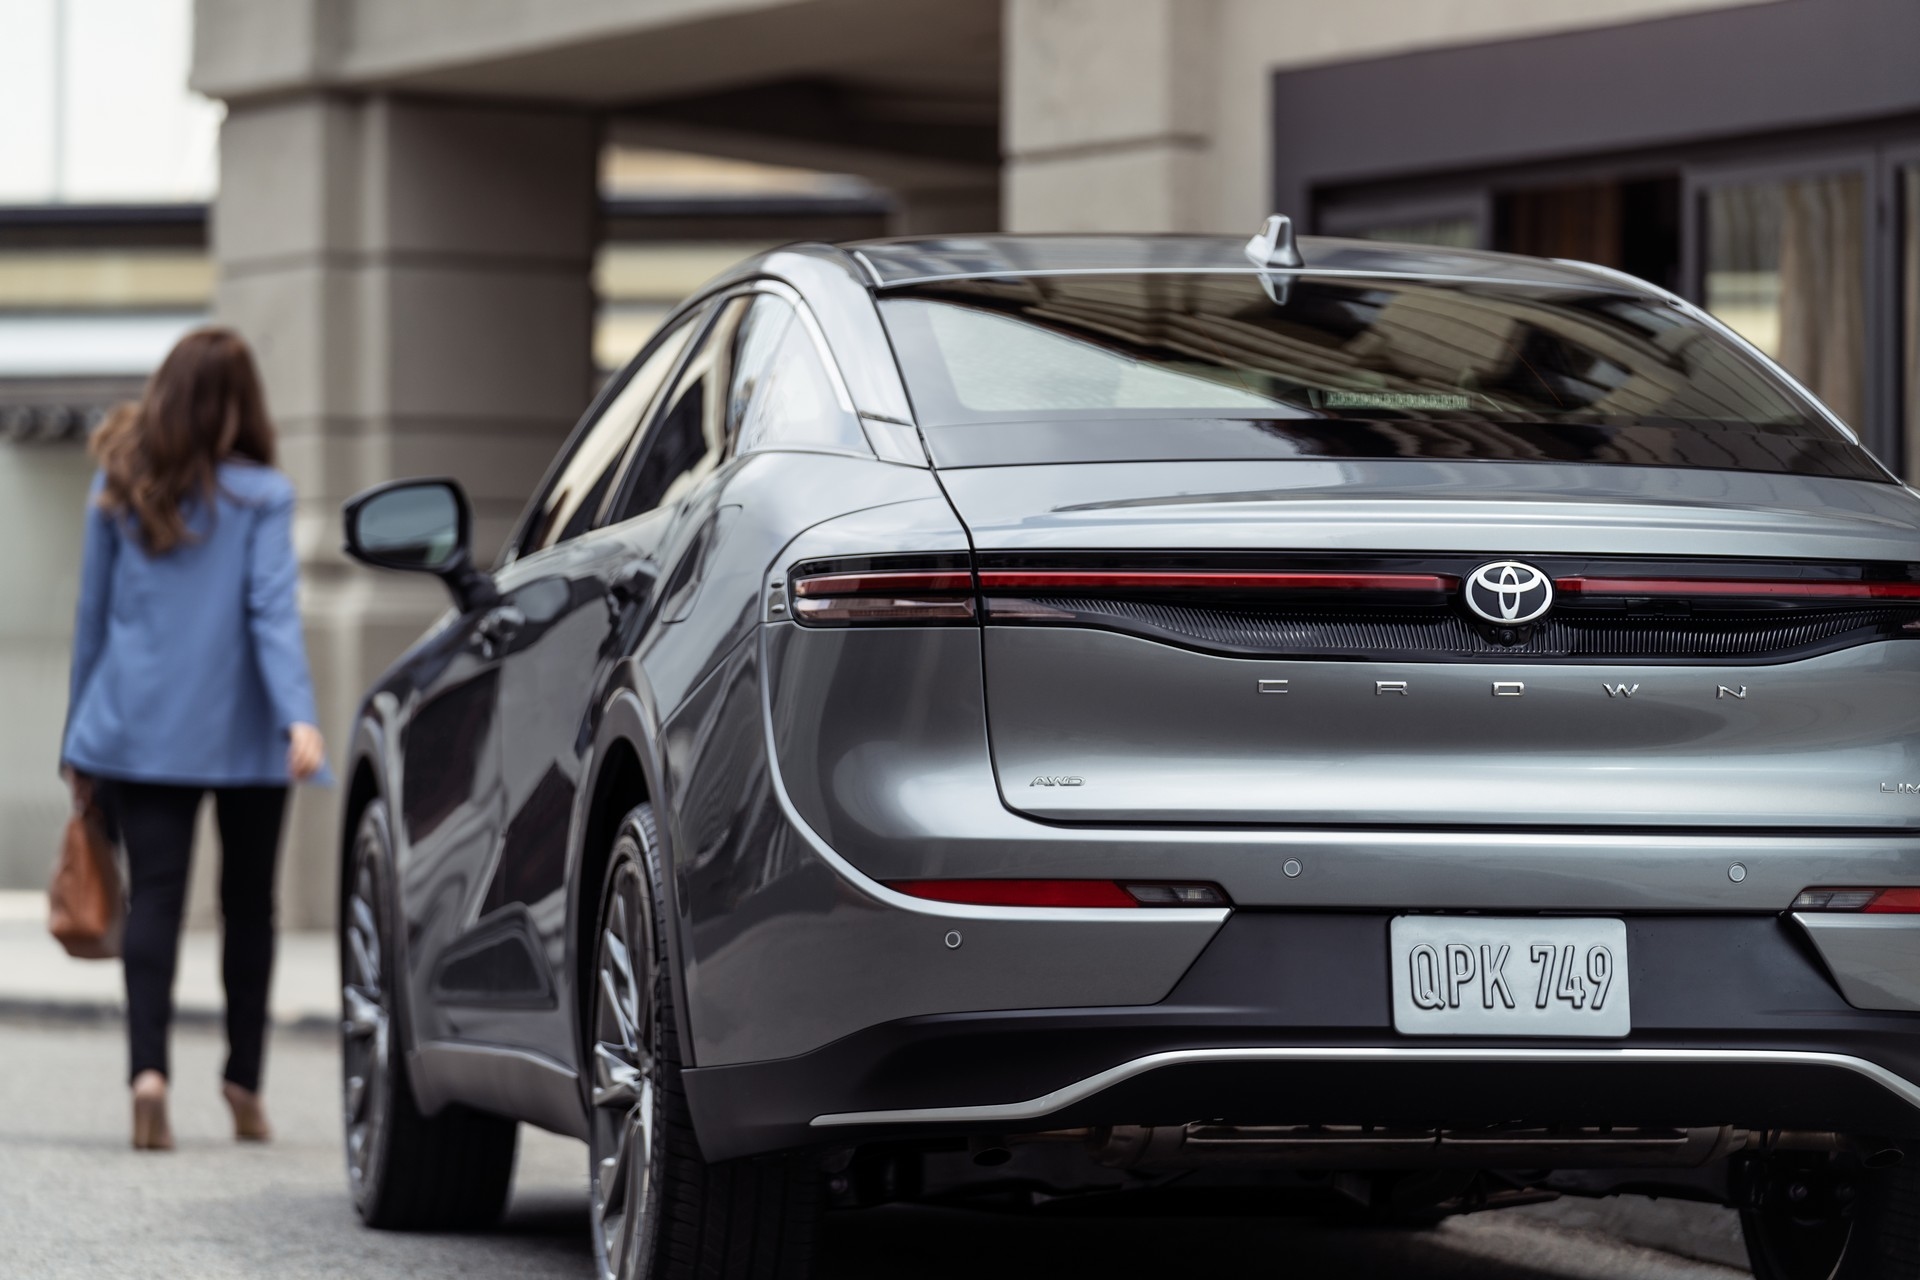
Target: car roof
922, 259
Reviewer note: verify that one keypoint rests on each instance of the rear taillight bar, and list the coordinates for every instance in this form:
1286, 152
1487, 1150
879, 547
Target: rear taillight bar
854, 610
1899, 901
1758, 588
883, 596
884, 581
1065, 893
1069, 580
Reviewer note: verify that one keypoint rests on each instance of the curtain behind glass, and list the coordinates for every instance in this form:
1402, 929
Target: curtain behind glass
1580, 221
1785, 268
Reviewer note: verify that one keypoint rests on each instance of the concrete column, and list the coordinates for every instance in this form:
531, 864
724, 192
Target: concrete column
1107, 117
415, 277
945, 211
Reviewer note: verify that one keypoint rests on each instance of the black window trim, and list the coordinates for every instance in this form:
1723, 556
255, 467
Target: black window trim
617, 495
712, 302
513, 551
842, 394
636, 457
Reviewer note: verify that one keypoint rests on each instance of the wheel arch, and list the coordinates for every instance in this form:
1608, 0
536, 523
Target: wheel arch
625, 773
370, 777
363, 786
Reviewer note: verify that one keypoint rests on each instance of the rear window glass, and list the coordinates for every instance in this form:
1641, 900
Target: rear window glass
1148, 367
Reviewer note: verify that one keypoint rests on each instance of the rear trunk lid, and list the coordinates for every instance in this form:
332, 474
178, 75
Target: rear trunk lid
1290, 642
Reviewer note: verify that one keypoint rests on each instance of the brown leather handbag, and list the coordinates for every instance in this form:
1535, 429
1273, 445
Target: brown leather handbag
87, 901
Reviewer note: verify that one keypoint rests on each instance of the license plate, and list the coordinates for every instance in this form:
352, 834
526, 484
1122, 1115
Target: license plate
1469, 976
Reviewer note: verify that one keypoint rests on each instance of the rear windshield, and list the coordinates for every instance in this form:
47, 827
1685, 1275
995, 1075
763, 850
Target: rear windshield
1153, 367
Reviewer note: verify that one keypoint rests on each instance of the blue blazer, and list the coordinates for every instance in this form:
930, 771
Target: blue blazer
188, 667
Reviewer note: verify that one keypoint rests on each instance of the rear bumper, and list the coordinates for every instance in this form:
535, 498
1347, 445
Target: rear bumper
1284, 1019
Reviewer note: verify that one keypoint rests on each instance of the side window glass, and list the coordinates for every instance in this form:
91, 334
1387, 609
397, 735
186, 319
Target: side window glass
569, 506
782, 396
688, 439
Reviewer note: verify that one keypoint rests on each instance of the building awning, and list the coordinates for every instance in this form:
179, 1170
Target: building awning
113, 344
61, 373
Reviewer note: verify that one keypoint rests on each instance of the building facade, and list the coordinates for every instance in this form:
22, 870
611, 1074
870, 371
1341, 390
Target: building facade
106, 166
407, 222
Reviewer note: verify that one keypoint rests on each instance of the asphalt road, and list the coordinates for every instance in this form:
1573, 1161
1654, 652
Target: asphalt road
75, 1202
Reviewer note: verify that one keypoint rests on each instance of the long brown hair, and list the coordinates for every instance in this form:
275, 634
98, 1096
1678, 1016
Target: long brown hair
201, 407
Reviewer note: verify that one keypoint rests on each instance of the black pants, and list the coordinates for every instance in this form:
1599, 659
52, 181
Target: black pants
156, 827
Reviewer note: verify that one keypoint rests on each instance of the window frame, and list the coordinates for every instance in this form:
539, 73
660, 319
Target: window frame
646, 437
687, 313
716, 303
841, 394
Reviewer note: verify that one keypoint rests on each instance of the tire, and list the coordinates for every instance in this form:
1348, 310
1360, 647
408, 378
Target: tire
405, 1170
659, 1211
1873, 1235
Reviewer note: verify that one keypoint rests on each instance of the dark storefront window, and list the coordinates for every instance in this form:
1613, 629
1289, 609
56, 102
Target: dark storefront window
1909, 303
1785, 267
1811, 253
1450, 233
1446, 223
1632, 225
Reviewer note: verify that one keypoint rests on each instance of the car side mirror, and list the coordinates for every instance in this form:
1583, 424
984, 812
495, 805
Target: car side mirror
420, 526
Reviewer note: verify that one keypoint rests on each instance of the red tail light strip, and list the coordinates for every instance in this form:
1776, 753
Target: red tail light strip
1903, 901
1203, 579
1785, 590
1063, 893
1020, 893
892, 581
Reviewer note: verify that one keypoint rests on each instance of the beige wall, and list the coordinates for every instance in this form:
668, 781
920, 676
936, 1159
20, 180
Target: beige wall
43, 491
1152, 115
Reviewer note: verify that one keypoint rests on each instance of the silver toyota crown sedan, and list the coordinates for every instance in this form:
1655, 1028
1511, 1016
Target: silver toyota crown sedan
1307, 726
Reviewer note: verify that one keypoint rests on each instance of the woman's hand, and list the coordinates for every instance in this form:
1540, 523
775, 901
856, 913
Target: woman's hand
306, 751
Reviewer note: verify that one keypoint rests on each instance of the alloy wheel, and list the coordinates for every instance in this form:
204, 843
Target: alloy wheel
623, 1057
365, 1025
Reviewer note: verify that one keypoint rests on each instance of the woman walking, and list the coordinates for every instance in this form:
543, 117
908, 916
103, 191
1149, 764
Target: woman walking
189, 676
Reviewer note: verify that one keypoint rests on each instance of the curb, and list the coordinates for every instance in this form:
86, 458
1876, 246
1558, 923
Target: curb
93, 1013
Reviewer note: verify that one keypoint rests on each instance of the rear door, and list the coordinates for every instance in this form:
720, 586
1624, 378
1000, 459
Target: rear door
502, 979
587, 597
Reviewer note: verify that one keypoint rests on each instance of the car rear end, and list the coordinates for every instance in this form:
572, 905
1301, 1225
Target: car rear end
1356, 723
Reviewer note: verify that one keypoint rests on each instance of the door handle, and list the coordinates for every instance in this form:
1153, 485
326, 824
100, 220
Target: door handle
498, 626
630, 585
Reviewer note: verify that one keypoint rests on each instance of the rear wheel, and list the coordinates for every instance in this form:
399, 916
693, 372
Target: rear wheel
405, 1170
660, 1212
1816, 1223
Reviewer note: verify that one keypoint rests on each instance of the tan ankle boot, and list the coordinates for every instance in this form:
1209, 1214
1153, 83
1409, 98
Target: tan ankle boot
249, 1114
151, 1131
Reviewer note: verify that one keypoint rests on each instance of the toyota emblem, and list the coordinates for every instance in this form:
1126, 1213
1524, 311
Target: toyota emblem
1508, 592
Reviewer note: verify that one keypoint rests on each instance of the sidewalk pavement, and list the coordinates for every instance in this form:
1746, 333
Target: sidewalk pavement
40, 981
38, 978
